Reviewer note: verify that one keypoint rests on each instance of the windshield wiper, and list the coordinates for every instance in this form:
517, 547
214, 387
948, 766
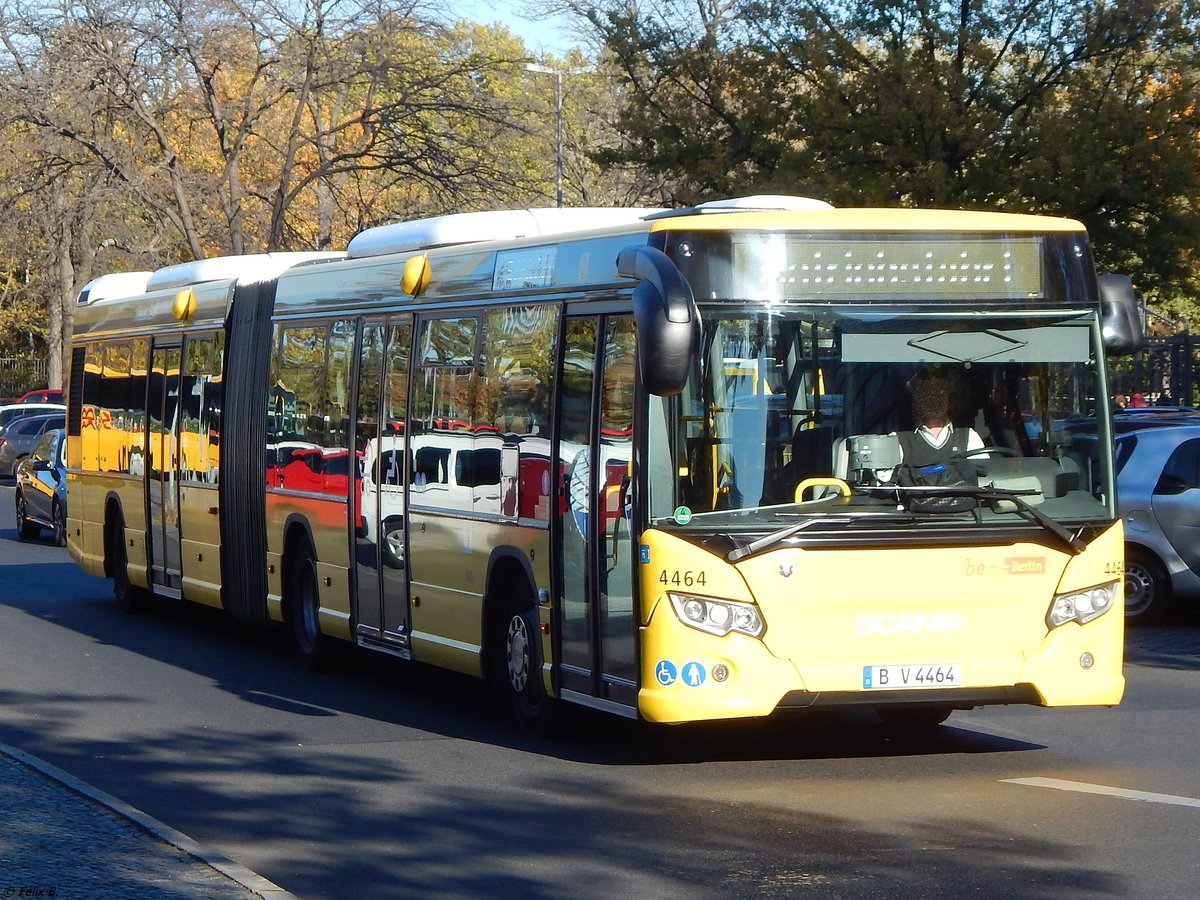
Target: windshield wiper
1071, 541
778, 537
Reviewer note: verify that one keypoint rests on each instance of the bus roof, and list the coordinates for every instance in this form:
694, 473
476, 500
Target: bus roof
114, 284
586, 239
252, 267
752, 203
494, 225
831, 219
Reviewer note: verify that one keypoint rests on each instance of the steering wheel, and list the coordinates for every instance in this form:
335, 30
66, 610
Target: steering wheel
989, 451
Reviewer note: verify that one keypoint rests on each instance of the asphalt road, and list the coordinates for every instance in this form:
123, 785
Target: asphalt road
395, 780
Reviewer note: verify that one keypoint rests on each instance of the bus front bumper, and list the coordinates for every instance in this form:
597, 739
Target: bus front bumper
690, 676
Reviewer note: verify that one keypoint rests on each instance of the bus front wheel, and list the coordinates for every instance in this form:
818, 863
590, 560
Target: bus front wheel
913, 716
130, 597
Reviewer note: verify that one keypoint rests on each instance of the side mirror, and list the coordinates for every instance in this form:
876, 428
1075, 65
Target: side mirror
1120, 325
666, 318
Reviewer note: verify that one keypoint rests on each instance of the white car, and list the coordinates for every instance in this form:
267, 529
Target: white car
19, 410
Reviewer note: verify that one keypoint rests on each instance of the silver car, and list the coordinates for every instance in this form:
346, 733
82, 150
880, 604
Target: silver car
1158, 496
19, 436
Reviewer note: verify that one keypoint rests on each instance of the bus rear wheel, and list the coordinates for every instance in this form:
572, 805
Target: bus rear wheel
518, 669
316, 649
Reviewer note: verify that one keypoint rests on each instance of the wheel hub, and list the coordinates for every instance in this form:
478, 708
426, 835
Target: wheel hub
518, 654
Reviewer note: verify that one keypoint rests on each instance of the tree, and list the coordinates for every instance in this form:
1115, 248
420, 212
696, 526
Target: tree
60, 201
165, 130
1081, 108
590, 104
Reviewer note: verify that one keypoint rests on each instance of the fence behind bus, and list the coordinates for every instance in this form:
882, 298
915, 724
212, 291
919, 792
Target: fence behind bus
21, 374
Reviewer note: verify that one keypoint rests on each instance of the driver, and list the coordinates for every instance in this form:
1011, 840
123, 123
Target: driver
935, 439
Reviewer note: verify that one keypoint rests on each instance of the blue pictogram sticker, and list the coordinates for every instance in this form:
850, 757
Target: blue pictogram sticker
665, 672
645, 554
694, 674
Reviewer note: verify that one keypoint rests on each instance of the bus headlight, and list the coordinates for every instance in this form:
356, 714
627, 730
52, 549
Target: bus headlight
1082, 606
718, 617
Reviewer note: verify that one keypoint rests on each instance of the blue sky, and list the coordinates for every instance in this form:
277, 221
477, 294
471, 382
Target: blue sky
550, 36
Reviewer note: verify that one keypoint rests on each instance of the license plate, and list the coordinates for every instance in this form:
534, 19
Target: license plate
901, 678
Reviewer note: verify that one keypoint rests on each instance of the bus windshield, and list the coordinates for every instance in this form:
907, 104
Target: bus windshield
794, 412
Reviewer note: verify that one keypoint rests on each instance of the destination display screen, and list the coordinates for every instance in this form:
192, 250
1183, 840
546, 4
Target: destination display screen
794, 267
926, 267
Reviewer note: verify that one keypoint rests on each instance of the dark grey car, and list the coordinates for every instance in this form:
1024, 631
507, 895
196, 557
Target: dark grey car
19, 437
1158, 496
41, 494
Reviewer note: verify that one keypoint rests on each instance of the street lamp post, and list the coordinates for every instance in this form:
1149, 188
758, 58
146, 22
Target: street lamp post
558, 117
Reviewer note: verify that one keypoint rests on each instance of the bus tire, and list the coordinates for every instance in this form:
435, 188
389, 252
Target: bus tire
913, 716
316, 649
131, 598
518, 670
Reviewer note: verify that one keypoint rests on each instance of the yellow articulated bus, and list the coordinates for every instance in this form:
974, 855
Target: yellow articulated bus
680, 465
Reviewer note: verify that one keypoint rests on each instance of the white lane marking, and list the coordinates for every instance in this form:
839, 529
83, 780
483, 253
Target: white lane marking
1083, 787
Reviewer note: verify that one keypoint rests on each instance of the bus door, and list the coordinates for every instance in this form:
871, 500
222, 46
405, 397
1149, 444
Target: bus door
378, 485
594, 553
162, 480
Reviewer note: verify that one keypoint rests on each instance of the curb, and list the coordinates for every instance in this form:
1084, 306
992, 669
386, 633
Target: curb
239, 874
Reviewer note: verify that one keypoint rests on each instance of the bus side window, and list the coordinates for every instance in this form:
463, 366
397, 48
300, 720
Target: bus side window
93, 369
511, 446
298, 407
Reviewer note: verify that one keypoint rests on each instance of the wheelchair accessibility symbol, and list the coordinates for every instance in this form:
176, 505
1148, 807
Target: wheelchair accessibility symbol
665, 672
